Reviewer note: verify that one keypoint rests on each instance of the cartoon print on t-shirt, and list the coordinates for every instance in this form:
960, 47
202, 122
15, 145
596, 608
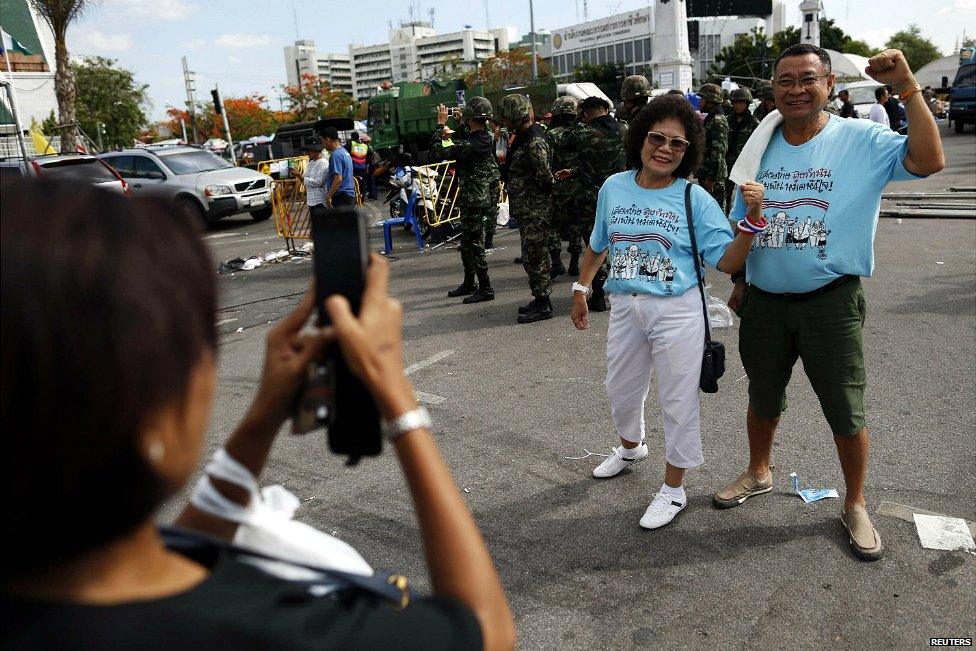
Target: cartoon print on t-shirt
797, 229
631, 262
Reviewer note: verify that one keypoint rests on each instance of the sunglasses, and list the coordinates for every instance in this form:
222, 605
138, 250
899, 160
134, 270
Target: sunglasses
804, 82
677, 145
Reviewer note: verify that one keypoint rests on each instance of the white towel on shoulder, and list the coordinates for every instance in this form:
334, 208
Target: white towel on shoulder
747, 165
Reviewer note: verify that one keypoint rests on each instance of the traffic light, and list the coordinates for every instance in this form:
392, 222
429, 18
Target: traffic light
216, 100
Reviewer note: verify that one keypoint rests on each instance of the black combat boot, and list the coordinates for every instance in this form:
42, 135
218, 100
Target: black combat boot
525, 308
465, 288
538, 312
517, 260
574, 264
485, 292
557, 268
597, 302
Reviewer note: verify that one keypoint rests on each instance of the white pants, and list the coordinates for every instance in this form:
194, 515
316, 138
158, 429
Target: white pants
666, 334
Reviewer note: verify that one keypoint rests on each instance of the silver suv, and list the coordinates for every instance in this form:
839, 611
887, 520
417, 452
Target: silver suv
199, 179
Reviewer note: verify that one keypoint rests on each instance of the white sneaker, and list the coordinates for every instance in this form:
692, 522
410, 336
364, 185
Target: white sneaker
662, 510
613, 464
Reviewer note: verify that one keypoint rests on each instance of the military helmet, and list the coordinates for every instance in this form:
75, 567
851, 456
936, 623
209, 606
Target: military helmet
565, 105
710, 93
514, 107
635, 87
765, 92
477, 108
740, 95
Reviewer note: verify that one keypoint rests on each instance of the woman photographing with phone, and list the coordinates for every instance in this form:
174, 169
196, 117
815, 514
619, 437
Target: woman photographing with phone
656, 317
108, 377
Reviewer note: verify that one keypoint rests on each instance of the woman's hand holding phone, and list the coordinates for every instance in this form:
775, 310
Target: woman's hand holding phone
372, 343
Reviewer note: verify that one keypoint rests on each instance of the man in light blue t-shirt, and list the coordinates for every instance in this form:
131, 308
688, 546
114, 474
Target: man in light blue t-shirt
823, 177
339, 187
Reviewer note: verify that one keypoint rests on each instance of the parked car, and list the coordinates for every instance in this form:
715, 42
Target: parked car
67, 167
862, 97
200, 180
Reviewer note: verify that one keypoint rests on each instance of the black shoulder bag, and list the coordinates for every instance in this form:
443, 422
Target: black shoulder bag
713, 357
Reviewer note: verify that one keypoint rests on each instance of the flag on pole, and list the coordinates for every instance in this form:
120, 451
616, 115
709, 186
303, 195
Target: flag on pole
9, 44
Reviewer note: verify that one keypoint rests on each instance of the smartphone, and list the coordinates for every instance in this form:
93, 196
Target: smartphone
332, 396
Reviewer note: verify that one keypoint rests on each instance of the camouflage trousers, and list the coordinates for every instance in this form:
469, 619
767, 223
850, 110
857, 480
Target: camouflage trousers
586, 221
491, 220
718, 192
473, 223
533, 222
565, 224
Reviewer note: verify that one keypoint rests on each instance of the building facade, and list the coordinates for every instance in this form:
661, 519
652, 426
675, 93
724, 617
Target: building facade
415, 52
631, 40
332, 68
32, 75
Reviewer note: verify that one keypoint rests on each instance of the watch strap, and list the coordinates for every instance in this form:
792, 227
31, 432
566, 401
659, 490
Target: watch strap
580, 287
418, 418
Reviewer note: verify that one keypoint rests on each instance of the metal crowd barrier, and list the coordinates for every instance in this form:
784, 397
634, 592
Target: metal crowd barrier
438, 193
288, 199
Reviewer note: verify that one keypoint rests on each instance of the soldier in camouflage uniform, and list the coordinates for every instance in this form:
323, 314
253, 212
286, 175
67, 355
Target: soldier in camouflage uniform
601, 153
528, 179
635, 93
713, 172
741, 125
478, 186
766, 101
564, 193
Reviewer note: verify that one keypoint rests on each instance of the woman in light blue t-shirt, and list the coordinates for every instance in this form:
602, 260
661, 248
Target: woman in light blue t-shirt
656, 320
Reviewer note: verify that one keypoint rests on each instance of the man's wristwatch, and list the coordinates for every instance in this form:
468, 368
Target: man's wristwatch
579, 287
418, 418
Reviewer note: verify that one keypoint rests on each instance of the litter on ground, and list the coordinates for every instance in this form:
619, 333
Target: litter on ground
943, 532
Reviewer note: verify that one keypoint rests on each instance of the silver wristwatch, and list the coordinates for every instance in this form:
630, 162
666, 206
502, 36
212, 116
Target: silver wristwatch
418, 418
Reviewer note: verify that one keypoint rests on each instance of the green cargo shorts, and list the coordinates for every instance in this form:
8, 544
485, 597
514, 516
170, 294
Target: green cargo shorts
826, 333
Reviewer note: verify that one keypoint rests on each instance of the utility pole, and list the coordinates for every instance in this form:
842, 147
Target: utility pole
535, 64
98, 131
190, 100
183, 127
219, 107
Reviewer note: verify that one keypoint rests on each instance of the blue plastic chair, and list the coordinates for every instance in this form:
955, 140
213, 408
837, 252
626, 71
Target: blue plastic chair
409, 217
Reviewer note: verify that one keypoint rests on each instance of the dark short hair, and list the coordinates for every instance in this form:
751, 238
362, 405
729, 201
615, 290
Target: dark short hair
803, 49
329, 132
675, 91
879, 91
661, 108
594, 102
354, 136
108, 306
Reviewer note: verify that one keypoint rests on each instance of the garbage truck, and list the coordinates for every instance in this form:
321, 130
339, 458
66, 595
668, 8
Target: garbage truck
402, 118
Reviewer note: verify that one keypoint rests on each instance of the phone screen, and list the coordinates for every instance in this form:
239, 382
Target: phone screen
340, 258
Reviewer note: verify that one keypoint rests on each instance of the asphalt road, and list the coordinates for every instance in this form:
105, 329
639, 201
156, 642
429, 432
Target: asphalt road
512, 402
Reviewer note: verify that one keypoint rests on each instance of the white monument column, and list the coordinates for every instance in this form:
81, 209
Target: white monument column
811, 10
672, 58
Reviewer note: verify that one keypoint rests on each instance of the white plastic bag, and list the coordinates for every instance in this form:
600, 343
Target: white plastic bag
719, 314
266, 525
502, 218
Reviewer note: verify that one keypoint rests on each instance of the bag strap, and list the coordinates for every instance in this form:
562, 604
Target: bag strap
386, 585
698, 260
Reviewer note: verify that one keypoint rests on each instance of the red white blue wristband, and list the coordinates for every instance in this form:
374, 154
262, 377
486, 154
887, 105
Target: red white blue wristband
748, 228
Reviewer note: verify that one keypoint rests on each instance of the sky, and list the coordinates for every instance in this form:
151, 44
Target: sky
240, 43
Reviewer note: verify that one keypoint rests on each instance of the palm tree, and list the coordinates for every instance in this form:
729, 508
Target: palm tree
59, 14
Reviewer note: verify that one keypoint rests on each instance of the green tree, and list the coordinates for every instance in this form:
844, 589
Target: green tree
832, 37
59, 14
312, 98
449, 68
917, 49
969, 41
606, 76
508, 69
109, 98
49, 127
748, 60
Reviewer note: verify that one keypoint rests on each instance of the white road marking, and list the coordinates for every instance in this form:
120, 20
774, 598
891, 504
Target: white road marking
219, 235
428, 398
223, 321
424, 363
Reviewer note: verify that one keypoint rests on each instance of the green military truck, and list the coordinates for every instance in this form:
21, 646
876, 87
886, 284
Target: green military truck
402, 119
